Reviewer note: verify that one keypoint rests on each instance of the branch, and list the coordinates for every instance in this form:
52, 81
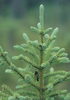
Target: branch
2, 94
59, 81
55, 73
30, 93
21, 57
7, 90
16, 70
56, 93
20, 48
63, 79
5, 59
34, 86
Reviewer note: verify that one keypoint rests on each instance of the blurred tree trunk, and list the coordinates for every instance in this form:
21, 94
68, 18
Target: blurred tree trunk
58, 9
18, 8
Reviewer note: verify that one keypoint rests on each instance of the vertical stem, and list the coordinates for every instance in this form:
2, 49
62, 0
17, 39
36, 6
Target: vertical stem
41, 70
41, 51
41, 60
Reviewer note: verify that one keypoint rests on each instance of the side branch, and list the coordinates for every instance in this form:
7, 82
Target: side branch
57, 81
56, 93
16, 70
34, 86
21, 57
5, 59
63, 79
19, 74
32, 64
55, 73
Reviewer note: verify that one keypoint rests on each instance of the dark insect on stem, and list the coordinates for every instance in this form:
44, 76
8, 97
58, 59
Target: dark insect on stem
37, 75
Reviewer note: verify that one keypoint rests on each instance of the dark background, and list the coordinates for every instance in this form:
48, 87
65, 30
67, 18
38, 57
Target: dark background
16, 17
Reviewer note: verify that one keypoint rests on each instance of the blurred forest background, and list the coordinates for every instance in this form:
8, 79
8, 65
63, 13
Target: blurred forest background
16, 17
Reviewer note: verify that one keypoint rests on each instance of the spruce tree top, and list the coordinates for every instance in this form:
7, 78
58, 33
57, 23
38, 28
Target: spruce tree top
34, 86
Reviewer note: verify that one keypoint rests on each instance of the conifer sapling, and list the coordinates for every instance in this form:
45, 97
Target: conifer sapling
47, 55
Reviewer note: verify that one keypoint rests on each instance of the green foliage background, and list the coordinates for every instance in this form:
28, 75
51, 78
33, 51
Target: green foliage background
16, 19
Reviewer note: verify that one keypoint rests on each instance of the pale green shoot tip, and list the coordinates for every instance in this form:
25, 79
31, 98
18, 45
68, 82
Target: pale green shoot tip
38, 25
41, 6
55, 31
25, 37
41, 17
